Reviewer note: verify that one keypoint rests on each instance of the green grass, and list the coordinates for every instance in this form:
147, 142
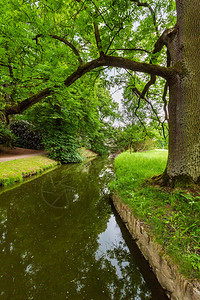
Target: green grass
173, 216
15, 170
87, 153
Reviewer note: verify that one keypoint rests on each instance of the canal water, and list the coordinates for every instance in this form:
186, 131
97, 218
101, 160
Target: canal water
60, 238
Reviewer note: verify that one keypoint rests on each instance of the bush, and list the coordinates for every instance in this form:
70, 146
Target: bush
62, 148
26, 135
98, 145
6, 137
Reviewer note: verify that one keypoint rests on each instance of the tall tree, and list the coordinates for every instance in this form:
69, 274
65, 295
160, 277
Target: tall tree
93, 34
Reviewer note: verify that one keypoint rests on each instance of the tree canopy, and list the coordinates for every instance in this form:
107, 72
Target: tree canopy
48, 46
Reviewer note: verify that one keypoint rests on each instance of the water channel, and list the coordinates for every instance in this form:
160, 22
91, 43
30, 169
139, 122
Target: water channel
62, 239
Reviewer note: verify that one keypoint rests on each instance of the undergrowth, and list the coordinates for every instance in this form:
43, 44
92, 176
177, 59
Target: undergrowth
172, 215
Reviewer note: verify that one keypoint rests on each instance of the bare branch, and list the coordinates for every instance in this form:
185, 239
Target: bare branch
98, 11
136, 114
36, 38
77, 13
148, 85
143, 125
118, 31
168, 58
125, 63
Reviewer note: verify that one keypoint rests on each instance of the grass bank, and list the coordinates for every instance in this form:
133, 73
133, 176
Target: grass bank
15, 170
87, 153
173, 216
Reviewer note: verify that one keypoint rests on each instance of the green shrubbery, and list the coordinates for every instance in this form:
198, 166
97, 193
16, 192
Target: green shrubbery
173, 216
26, 135
6, 137
98, 145
62, 147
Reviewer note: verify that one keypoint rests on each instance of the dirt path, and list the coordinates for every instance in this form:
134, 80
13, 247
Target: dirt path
7, 154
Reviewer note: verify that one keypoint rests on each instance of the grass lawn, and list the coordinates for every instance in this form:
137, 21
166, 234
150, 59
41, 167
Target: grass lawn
15, 170
173, 216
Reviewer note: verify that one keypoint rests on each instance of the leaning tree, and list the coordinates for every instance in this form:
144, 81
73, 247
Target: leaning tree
88, 35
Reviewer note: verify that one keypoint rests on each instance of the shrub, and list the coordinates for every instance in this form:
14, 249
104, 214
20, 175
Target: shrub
26, 135
6, 137
62, 148
98, 144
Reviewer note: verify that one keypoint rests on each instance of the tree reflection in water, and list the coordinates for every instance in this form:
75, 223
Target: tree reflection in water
60, 240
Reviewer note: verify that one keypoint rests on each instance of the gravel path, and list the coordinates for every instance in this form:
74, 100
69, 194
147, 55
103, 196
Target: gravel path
7, 154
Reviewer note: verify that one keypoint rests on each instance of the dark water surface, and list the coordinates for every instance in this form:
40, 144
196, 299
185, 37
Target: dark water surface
61, 239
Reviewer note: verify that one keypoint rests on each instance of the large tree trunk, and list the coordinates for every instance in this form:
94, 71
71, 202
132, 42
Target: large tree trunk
184, 104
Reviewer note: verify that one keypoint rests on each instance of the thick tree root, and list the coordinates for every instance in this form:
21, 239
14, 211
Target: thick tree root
181, 181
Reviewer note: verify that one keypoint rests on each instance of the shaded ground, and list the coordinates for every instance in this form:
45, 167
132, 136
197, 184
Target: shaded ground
17, 153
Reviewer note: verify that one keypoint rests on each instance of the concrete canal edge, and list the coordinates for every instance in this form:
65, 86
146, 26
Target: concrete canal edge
175, 285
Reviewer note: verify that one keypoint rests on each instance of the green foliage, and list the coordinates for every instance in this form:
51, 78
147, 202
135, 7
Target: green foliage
62, 147
6, 136
39, 60
83, 117
173, 217
147, 110
98, 144
133, 137
49, 42
26, 135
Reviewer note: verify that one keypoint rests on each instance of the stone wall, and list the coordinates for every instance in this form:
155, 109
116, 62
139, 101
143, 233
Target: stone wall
175, 285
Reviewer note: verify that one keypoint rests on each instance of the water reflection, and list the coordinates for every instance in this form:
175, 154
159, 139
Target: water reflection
60, 240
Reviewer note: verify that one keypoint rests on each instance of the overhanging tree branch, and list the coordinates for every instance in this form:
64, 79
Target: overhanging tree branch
65, 41
125, 63
103, 60
140, 95
22, 106
69, 45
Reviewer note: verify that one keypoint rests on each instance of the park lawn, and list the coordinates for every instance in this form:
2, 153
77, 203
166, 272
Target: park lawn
173, 216
15, 170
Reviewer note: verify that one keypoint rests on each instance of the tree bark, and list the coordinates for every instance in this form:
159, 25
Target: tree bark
183, 164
